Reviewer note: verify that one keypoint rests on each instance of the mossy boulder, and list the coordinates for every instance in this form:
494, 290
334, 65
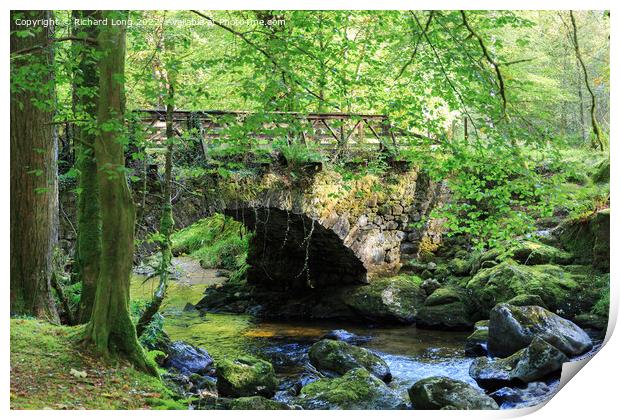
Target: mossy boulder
332, 356
566, 290
356, 390
395, 299
476, 343
459, 267
447, 308
536, 253
588, 238
512, 328
527, 300
257, 403
438, 392
591, 321
245, 377
535, 362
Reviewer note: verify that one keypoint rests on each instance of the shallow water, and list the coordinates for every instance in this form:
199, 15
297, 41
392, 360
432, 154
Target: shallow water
411, 353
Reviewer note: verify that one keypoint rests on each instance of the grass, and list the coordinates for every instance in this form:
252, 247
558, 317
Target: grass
42, 358
217, 242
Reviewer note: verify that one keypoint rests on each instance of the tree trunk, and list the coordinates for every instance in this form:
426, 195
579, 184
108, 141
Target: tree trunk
596, 130
34, 182
111, 329
88, 243
167, 222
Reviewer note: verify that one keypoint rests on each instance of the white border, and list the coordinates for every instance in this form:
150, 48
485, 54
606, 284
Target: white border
592, 395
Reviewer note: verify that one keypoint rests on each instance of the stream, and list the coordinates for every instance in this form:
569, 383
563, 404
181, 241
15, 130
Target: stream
411, 353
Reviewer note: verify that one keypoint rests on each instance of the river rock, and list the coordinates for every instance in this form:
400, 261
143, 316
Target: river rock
439, 392
476, 343
257, 403
512, 328
346, 336
395, 299
527, 300
331, 356
535, 362
447, 308
188, 359
532, 394
356, 390
566, 290
245, 377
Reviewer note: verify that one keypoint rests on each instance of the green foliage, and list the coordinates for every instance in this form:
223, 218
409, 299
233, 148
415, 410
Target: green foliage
217, 241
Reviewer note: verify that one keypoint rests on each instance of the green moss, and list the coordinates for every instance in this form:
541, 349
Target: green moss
245, 376
357, 389
386, 299
257, 403
42, 356
216, 241
566, 290
340, 357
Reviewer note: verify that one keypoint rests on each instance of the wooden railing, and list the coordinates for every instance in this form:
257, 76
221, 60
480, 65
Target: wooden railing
333, 132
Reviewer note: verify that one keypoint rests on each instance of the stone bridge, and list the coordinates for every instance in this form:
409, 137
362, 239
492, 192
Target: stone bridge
326, 232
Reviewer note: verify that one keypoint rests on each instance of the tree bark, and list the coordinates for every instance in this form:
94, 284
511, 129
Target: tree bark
85, 98
34, 182
111, 329
167, 221
596, 130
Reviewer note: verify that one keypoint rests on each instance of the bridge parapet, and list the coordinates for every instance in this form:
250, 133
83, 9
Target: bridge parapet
326, 232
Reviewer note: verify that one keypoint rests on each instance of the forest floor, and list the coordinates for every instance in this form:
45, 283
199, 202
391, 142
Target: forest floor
51, 369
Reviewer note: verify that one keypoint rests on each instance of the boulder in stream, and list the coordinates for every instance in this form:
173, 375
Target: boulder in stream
447, 308
331, 356
532, 394
439, 392
257, 403
476, 343
533, 363
395, 299
346, 336
512, 328
356, 390
188, 359
245, 377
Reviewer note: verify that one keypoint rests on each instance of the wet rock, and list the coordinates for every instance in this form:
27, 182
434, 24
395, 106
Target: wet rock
430, 285
203, 385
533, 363
395, 299
257, 403
512, 328
346, 336
476, 343
188, 359
331, 356
356, 390
565, 290
245, 377
447, 308
533, 394
527, 300
591, 321
438, 392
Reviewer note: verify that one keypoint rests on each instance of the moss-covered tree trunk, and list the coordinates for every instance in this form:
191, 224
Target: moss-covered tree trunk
34, 182
111, 329
85, 97
167, 221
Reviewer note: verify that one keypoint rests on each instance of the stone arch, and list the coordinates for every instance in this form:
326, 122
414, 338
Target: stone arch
293, 252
